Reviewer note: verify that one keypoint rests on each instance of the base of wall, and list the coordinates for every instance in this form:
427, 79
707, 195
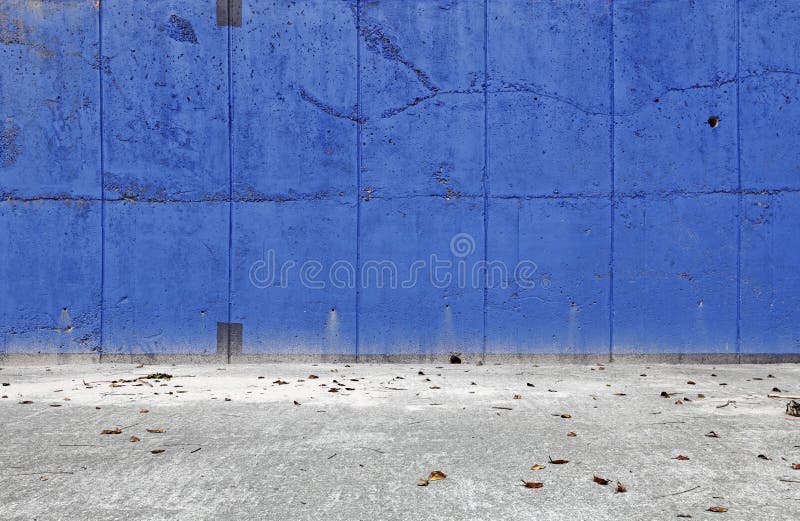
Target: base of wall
43, 359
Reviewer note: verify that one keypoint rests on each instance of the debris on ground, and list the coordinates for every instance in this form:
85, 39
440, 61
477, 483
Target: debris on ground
793, 408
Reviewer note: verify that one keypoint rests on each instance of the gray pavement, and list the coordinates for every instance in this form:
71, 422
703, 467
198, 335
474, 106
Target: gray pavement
239, 446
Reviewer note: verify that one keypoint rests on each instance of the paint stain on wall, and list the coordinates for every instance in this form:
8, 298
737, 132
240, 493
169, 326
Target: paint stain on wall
8, 147
16, 32
180, 29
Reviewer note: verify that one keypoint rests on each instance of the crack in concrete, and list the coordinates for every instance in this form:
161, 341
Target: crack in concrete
327, 109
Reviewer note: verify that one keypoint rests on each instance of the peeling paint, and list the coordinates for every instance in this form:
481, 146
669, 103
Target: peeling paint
9, 150
180, 29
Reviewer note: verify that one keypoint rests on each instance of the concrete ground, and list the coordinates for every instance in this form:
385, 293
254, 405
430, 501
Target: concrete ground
238, 444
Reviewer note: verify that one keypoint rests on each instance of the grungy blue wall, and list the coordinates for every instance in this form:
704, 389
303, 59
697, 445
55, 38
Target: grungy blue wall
159, 170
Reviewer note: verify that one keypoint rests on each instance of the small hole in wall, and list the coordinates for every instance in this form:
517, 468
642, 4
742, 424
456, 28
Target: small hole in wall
333, 310
455, 359
447, 306
713, 121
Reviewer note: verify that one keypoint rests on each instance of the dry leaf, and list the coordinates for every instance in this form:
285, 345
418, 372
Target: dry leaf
143, 411
159, 376
701, 395
690, 382
296, 402
795, 466
435, 387
621, 488
571, 434
558, 461
312, 377
681, 458
280, 382
111, 431
687, 516
43, 478
565, 415
712, 434
25, 402
678, 402
763, 456
437, 475
532, 484
157, 451
600, 481
717, 509
333, 390
422, 482
134, 439
537, 467
55, 405
156, 431
517, 397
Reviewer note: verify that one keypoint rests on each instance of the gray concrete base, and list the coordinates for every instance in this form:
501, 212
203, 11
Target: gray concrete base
265, 441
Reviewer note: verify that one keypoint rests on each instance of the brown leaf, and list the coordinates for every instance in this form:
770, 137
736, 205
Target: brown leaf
333, 390
159, 376
55, 405
558, 461
690, 383
600, 481
422, 482
701, 395
687, 516
134, 439
620, 394
763, 456
111, 431
712, 434
437, 475
717, 509
280, 382
517, 397
795, 466
566, 415
621, 488
532, 484
156, 431
157, 451
571, 434
678, 402
312, 377
435, 387
681, 458
25, 402
537, 467
143, 411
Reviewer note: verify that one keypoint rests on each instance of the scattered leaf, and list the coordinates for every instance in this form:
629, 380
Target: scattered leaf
600, 481
795, 466
678, 402
763, 456
111, 431
159, 376
437, 475
621, 488
681, 458
280, 382
143, 411
157, 451
701, 395
435, 387
775, 390
25, 402
540, 467
717, 509
690, 383
333, 390
566, 415
43, 478
712, 434
532, 484
620, 394
55, 405
530, 384
156, 431
518, 397
296, 402
687, 516
134, 439
422, 482
571, 434
558, 461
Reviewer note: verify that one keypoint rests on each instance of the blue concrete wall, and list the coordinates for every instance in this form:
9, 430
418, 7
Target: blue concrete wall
154, 165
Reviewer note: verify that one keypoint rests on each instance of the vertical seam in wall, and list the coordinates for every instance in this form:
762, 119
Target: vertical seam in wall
738, 197
102, 180
485, 180
358, 178
612, 125
230, 183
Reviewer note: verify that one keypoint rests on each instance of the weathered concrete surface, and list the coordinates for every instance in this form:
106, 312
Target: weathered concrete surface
150, 156
357, 454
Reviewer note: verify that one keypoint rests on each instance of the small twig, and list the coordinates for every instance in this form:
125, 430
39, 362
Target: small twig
678, 493
43, 472
195, 450
787, 396
332, 455
729, 402
504, 408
